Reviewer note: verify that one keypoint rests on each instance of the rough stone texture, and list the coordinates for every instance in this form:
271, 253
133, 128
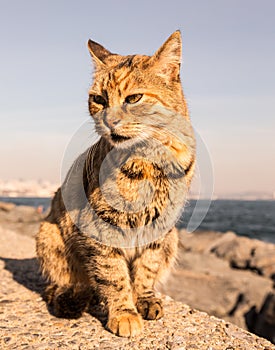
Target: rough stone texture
207, 283
25, 322
225, 275
240, 252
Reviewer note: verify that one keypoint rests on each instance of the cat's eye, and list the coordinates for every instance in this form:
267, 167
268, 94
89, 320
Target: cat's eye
133, 98
100, 100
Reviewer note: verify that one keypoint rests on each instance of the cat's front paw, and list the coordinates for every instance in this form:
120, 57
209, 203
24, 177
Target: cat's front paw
125, 325
150, 308
66, 302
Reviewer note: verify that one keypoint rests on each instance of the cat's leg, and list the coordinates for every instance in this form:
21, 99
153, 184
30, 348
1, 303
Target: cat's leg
149, 268
65, 294
109, 275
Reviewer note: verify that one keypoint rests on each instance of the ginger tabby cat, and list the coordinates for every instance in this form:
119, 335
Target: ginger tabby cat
116, 240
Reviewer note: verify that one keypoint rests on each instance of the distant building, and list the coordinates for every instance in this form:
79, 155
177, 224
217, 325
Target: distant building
27, 188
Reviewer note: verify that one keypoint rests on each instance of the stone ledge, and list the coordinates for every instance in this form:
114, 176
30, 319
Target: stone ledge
25, 322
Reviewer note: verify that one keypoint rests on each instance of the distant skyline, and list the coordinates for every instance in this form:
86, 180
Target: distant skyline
228, 78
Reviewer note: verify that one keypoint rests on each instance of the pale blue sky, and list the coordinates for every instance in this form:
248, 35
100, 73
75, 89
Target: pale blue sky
228, 75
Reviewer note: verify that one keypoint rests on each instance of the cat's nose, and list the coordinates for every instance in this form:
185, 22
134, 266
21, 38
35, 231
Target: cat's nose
111, 123
114, 122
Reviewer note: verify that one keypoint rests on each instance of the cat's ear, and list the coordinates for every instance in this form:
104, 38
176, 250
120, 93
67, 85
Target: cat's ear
167, 59
98, 52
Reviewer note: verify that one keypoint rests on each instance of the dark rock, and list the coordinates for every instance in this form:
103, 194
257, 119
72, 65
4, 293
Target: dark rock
263, 259
209, 284
225, 275
263, 323
236, 250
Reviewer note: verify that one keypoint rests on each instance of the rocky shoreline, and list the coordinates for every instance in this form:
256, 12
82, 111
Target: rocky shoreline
225, 275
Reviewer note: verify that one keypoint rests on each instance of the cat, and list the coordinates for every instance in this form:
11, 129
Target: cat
110, 235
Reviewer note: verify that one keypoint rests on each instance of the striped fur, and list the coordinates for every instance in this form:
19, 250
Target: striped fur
134, 101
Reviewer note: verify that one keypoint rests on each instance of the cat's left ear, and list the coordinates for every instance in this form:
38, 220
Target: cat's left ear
98, 52
167, 59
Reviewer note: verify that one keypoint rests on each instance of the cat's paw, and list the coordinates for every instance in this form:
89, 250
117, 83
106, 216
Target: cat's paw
125, 325
67, 303
150, 308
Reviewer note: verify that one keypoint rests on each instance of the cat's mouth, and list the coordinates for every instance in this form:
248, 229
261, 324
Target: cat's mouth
119, 138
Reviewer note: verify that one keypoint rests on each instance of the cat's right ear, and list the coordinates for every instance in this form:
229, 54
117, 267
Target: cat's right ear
98, 52
167, 59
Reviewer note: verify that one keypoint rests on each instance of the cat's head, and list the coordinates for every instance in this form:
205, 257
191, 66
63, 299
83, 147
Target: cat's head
132, 97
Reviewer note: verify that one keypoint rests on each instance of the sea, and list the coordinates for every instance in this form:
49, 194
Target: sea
254, 219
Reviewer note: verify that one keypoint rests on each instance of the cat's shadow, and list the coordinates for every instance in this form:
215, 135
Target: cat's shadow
26, 272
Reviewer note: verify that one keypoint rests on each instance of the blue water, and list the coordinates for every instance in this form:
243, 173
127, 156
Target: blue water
254, 219
30, 201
